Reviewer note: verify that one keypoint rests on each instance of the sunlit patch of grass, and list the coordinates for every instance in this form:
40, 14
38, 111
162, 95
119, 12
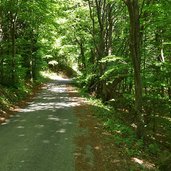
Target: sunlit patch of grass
98, 103
101, 110
143, 163
124, 135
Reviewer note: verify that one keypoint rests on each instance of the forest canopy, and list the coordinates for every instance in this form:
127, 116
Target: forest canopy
120, 50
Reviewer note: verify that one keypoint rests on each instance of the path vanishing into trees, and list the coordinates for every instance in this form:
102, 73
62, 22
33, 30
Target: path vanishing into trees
57, 132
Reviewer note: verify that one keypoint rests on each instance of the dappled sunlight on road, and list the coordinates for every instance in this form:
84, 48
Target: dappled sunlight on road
48, 110
53, 118
20, 127
145, 164
21, 135
39, 126
7, 121
54, 76
44, 129
46, 122
61, 131
53, 97
58, 89
49, 106
49, 128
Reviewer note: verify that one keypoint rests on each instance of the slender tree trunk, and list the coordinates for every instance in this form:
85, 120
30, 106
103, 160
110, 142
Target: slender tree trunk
82, 53
133, 9
1, 51
110, 29
169, 85
83, 59
32, 58
93, 32
13, 20
13, 65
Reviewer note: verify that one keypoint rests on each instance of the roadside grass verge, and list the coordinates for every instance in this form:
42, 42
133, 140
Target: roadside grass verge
148, 155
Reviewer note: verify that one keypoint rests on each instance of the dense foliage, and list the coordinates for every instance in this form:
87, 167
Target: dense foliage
121, 50
124, 57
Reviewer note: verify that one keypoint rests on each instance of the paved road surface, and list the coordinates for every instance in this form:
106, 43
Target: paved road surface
40, 136
57, 131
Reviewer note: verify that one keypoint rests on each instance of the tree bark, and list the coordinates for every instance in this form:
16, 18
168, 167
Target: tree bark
13, 66
1, 49
134, 15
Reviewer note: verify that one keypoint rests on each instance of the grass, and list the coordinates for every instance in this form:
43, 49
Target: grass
150, 152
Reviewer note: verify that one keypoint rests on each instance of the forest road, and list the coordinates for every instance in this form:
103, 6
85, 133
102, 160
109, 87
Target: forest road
56, 132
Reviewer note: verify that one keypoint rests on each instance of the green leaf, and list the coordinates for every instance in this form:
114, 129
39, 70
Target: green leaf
110, 58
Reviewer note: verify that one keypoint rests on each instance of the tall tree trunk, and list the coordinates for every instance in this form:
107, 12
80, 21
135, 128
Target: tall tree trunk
169, 84
13, 19
83, 59
109, 28
82, 53
134, 15
13, 65
1, 49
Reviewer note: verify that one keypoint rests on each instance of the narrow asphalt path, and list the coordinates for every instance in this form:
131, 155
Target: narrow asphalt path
40, 136
57, 131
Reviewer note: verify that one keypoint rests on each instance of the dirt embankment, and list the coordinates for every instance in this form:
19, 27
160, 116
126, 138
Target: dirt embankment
12, 100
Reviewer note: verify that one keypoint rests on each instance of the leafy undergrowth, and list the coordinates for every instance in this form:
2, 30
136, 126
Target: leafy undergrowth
12, 98
148, 154
157, 117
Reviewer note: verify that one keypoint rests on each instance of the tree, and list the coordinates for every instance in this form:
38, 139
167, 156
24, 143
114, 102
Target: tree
135, 40
20, 28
